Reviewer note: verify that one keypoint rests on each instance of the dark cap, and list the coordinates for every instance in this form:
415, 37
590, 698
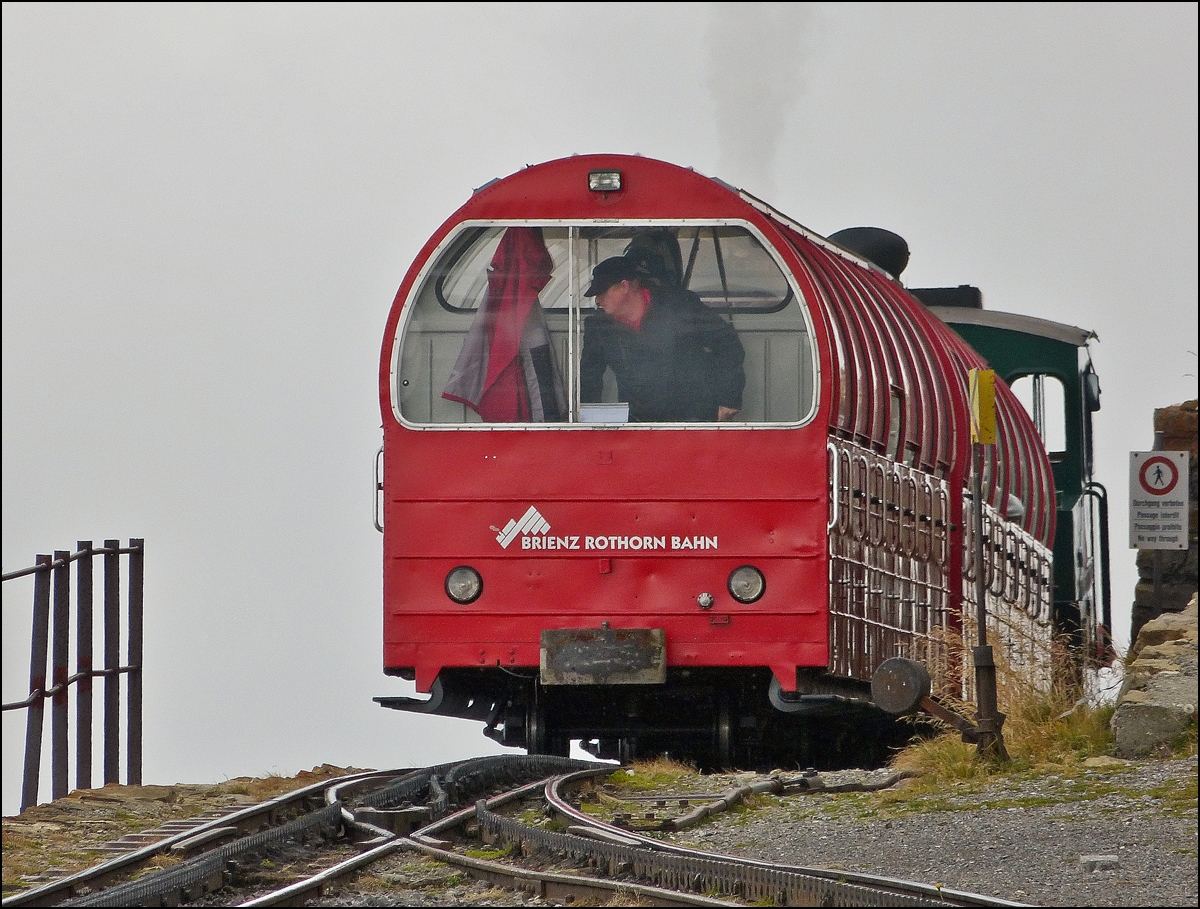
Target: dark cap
614, 271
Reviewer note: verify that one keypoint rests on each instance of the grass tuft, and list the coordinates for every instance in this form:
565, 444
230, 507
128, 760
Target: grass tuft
652, 775
1047, 728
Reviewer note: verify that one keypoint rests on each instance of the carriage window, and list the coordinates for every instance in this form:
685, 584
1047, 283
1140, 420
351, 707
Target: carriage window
500, 331
894, 420
462, 285
1045, 399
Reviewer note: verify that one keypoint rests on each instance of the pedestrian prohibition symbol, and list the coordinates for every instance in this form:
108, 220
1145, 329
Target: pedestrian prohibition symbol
1158, 500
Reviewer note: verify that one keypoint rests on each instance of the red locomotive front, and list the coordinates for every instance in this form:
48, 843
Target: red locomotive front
622, 530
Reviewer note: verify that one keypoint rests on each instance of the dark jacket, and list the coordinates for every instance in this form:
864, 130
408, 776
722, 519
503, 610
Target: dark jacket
679, 366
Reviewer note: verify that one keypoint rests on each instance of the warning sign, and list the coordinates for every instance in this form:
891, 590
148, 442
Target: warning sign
981, 385
1158, 500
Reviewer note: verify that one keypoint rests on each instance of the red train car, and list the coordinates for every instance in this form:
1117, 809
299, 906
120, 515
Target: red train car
562, 564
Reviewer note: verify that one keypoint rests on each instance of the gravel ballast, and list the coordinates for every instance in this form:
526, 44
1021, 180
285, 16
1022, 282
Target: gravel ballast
1119, 835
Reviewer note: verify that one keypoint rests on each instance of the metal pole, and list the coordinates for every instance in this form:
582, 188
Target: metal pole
112, 661
37, 683
977, 530
1105, 571
83, 666
136, 567
989, 719
1100, 494
1156, 574
1156, 555
62, 653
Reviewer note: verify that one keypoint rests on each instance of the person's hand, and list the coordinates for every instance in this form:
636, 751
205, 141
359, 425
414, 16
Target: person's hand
724, 413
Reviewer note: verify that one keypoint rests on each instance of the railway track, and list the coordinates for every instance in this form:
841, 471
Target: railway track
536, 819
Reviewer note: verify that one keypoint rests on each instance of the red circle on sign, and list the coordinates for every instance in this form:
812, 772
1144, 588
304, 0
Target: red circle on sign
1171, 469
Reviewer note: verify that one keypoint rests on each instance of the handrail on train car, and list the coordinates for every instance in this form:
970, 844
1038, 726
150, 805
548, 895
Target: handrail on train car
876, 503
923, 547
378, 489
1098, 492
892, 509
942, 539
859, 471
1024, 557
845, 494
909, 509
832, 451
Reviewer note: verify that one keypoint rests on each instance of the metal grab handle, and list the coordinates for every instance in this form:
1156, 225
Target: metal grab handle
1023, 568
833, 486
845, 495
858, 483
997, 563
876, 504
923, 544
378, 488
892, 508
908, 516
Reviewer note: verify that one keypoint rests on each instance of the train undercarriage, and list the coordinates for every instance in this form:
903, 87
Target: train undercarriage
712, 718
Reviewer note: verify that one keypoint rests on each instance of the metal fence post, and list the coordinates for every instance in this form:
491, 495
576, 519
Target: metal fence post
62, 654
37, 683
136, 564
112, 661
49, 666
83, 665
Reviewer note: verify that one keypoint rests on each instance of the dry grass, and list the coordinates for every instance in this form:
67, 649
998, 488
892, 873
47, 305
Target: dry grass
1058, 727
622, 898
653, 775
663, 766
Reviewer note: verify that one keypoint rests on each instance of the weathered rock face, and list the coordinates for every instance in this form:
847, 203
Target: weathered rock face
1178, 580
1158, 700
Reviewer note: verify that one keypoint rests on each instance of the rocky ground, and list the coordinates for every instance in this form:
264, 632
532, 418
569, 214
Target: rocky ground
63, 836
1112, 833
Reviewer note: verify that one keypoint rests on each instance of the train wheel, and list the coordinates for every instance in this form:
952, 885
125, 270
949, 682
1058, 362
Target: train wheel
627, 750
726, 730
539, 739
535, 728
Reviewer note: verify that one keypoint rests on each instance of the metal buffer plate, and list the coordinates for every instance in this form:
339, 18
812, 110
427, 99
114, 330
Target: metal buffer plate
899, 685
604, 656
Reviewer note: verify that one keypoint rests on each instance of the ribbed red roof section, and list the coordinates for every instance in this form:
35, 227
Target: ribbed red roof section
885, 344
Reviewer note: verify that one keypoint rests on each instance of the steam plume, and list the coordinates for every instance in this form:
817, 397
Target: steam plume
754, 67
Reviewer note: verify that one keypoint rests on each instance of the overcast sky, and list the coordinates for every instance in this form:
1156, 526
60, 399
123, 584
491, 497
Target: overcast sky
207, 210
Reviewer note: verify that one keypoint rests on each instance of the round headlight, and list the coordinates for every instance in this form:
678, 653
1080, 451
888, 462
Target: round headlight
463, 584
746, 584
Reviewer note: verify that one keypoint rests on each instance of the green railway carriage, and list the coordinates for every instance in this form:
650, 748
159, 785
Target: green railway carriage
1048, 366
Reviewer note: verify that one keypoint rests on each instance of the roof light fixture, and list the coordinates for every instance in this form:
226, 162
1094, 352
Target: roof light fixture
604, 181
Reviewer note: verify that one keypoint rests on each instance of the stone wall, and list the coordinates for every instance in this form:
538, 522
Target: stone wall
1158, 699
1179, 570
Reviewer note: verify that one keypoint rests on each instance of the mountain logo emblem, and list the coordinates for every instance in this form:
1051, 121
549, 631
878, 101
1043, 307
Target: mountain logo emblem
530, 522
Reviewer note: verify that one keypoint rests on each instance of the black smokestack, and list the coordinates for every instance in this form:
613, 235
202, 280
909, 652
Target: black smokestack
881, 247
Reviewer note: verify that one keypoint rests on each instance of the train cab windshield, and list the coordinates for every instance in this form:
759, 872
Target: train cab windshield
501, 329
